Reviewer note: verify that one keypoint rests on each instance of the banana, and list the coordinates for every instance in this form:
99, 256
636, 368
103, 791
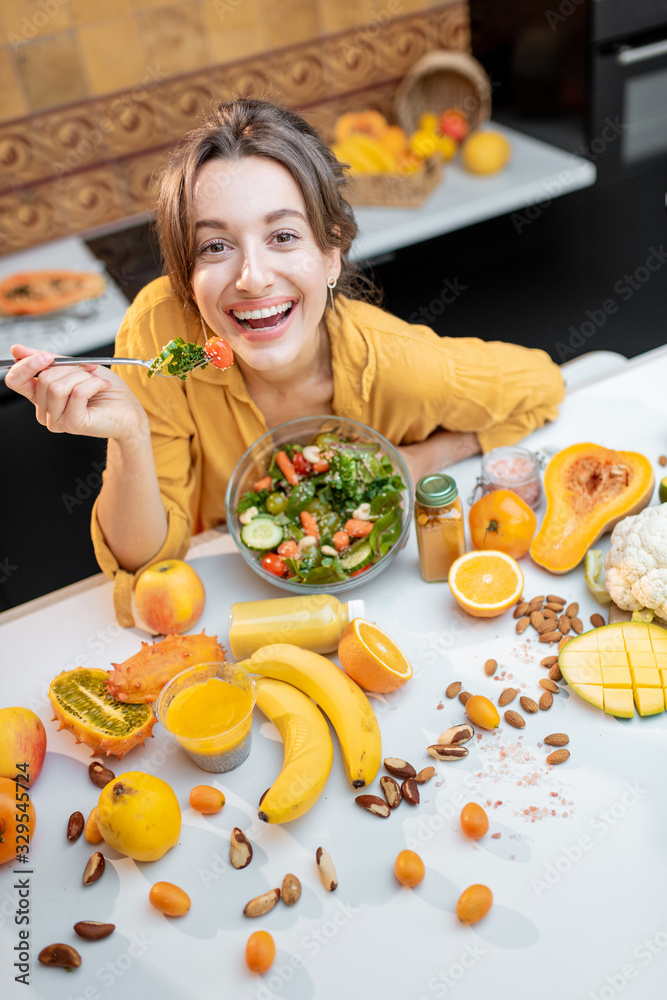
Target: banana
365, 154
308, 750
341, 698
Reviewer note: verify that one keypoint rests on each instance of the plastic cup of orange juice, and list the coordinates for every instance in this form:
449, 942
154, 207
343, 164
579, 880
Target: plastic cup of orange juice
207, 709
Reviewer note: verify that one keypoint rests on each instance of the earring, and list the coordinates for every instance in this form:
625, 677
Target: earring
331, 284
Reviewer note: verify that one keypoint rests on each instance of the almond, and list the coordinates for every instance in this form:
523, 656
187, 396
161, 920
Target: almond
549, 685
63, 956
506, 696
546, 625
374, 804
290, 890
520, 609
522, 624
75, 825
557, 739
558, 756
537, 600
528, 704
391, 791
490, 667
549, 613
456, 735
577, 625
546, 700
93, 930
554, 599
410, 791
572, 610
260, 905
453, 689
94, 868
554, 673
514, 719
399, 767
536, 619
553, 606
240, 849
597, 621
464, 696
447, 753
326, 869
549, 661
99, 774
564, 624
424, 775
550, 636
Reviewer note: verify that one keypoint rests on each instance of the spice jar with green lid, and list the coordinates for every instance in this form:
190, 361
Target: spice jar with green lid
439, 523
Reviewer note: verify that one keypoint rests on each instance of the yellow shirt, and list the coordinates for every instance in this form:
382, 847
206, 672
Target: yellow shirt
403, 380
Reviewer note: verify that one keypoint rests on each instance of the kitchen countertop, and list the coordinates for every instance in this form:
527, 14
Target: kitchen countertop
574, 854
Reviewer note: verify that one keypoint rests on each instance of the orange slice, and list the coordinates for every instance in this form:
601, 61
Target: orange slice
371, 658
485, 582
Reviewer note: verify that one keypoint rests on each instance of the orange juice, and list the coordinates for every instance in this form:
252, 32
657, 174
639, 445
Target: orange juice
313, 621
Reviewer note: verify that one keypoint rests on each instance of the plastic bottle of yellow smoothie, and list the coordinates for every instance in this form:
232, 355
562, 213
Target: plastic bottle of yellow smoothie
313, 621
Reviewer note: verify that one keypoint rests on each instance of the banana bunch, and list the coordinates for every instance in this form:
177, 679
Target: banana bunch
366, 154
308, 753
339, 697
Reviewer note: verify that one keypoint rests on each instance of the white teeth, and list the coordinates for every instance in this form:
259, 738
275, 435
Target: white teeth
262, 313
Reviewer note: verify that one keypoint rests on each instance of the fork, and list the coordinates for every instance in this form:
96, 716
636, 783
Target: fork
8, 363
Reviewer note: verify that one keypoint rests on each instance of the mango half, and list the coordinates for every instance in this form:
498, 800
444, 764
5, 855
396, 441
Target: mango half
619, 668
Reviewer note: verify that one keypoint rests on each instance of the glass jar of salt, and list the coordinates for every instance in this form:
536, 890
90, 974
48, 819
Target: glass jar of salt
513, 468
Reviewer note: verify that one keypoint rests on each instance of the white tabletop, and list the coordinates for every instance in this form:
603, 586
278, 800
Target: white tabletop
575, 854
536, 174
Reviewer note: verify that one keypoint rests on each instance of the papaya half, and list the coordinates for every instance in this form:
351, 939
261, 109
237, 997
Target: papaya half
35, 293
588, 490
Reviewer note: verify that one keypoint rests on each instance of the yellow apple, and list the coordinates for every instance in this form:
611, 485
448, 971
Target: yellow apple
169, 596
22, 742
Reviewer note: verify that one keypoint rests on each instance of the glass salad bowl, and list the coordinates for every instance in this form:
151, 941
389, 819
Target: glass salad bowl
298, 487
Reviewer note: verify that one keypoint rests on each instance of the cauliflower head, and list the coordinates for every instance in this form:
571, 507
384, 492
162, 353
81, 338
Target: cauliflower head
635, 567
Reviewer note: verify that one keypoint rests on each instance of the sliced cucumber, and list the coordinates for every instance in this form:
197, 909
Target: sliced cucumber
356, 557
262, 533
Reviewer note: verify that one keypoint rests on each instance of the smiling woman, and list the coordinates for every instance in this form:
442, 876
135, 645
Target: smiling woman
255, 231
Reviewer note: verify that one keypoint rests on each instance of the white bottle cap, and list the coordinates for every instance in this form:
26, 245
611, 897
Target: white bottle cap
356, 609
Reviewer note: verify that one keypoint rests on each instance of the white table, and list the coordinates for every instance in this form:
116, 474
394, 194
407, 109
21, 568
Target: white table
536, 174
577, 872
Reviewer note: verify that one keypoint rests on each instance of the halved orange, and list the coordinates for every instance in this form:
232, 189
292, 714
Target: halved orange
371, 658
485, 582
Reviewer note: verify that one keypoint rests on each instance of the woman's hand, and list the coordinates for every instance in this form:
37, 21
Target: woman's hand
88, 400
441, 449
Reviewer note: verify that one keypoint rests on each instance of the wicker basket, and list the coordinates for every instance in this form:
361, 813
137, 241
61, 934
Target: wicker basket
442, 80
395, 190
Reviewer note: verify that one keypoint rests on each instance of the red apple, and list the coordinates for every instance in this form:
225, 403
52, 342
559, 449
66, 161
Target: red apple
454, 124
22, 741
169, 596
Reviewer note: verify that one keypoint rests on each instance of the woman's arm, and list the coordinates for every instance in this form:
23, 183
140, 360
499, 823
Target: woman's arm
438, 451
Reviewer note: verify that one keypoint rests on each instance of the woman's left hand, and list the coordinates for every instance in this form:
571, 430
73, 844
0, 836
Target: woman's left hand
438, 451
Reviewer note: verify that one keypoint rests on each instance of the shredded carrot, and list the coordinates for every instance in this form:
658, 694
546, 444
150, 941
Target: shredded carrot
263, 484
286, 467
357, 528
309, 524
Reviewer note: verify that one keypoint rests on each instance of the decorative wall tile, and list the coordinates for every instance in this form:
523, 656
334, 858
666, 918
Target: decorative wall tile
31, 217
235, 30
89, 199
95, 11
132, 121
291, 21
12, 103
23, 157
51, 72
173, 38
113, 54
182, 103
27, 19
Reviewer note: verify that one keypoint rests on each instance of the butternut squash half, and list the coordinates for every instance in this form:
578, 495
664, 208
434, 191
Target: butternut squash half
588, 489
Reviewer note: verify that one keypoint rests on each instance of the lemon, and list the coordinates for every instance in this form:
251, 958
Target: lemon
485, 152
139, 815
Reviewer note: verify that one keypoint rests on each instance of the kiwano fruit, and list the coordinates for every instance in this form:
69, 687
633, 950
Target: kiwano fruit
83, 706
142, 676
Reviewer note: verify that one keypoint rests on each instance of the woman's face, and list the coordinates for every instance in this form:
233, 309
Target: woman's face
260, 279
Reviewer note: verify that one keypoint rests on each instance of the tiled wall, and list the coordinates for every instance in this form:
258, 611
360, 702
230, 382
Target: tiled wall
92, 92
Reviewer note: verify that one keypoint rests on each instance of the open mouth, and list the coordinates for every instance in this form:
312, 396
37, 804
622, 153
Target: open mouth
263, 319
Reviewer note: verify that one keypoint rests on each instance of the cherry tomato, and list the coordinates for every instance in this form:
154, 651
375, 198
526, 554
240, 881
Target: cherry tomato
218, 352
273, 563
302, 465
356, 572
502, 520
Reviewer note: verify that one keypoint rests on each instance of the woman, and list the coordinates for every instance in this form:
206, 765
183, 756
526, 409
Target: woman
254, 232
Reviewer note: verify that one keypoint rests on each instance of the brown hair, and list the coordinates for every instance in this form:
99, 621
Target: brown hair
248, 127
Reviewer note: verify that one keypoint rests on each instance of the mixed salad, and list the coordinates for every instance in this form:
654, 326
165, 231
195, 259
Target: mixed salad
178, 357
324, 512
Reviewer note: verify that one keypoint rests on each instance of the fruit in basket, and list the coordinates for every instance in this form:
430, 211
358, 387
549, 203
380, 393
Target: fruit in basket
371, 658
343, 701
502, 520
371, 123
139, 815
366, 155
308, 750
169, 596
83, 706
588, 489
454, 123
140, 678
619, 668
22, 741
485, 152
17, 820
485, 583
